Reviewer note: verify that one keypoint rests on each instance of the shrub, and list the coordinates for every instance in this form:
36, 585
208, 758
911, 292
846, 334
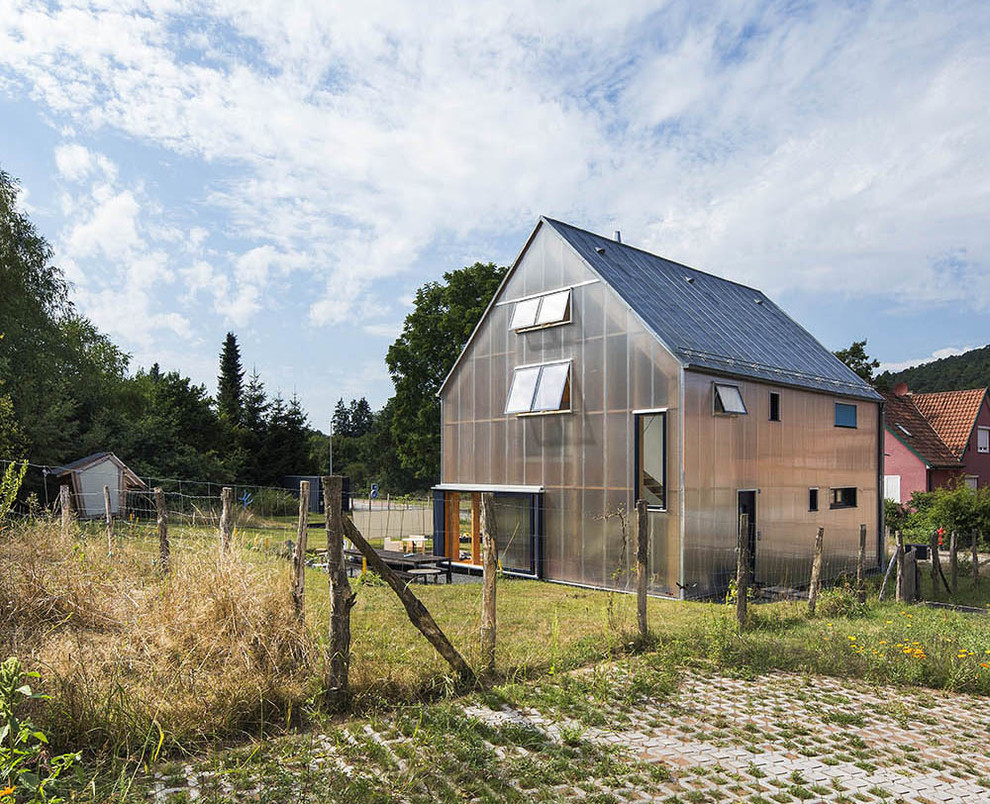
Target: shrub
839, 601
274, 502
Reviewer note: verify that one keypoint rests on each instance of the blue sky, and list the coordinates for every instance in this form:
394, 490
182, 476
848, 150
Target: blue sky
293, 171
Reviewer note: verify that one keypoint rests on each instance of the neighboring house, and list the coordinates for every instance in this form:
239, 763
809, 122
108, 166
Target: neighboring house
87, 477
601, 374
933, 440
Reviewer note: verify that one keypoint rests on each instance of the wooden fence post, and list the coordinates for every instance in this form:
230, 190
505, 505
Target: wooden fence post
341, 597
164, 552
816, 572
937, 567
106, 505
489, 545
642, 574
299, 557
742, 570
226, 518
416, 611
976, 558
66, 507
861, 566
953, 562
899, 595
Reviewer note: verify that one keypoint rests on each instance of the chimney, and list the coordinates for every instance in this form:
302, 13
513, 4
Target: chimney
901, 389
618, 236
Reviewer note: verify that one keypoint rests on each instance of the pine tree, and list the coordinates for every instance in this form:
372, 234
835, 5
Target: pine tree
230, 382
341, 420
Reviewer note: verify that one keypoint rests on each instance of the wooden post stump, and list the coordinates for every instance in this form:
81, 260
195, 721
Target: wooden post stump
642, 572
66, 509
861, 566
489, 544
164, 551
299, 556
900, 566
742, 570
106, 505
816, 572
226, 519
953, 562
342, 599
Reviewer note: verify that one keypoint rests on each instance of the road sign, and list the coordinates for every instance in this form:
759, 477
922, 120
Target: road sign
374, 491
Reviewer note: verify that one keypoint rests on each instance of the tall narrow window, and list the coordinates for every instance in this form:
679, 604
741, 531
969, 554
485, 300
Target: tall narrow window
540, 389
651, 451
728, 400
845, 415
812, 499
542, 311
774, 406
983, 439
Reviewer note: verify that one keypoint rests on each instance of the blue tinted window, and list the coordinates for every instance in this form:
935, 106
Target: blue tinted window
845, 415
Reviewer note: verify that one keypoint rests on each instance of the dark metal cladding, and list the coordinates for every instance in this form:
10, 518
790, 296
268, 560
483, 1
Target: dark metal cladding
714, 324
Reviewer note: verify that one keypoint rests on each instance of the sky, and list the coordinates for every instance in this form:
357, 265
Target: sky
293, 170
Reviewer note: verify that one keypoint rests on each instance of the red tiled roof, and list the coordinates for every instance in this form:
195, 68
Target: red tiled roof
906, 422
952, 414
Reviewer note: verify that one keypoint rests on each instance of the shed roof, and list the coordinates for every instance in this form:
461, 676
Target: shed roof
712, 323
952, 414
96, 458
909, 426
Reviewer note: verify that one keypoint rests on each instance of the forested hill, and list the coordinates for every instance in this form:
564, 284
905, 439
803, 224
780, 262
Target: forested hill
968, 370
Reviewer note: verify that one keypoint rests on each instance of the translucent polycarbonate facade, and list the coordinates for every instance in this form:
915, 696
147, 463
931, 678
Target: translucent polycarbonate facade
583, 461
781, 461
584, 458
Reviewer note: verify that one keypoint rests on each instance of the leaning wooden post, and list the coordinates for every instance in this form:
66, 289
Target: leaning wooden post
861, 566
164, 551
642, 575
953, 562
816, 572
742, 570
342, 599
417, 612
106, 505
937, 566
66, 507
976, 558
489, 547
299, 557
226, 518
899, 596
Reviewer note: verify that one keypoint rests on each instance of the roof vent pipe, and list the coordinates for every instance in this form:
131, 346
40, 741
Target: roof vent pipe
618, 236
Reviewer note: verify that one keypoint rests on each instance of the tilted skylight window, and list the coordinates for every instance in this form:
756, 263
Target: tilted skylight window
728, 399
540, 389
543, 311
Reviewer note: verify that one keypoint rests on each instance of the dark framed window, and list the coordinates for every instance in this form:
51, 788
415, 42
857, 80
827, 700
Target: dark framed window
728, 400
651, 459
845, 415
812, 499
774, 406
843, 497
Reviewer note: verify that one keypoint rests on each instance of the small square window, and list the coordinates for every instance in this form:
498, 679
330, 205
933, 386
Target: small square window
845, 415
774, 406
843, 497
728, 400
812, 499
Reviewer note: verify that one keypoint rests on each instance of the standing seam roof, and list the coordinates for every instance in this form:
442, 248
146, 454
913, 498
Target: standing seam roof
713, 323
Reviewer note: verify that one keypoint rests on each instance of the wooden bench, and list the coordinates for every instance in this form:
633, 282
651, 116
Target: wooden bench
426, 573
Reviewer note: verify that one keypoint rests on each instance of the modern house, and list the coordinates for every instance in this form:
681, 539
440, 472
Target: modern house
601, 374
934, 440
86, 478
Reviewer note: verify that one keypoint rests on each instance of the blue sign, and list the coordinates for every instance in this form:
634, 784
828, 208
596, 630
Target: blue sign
374, 491
246, 498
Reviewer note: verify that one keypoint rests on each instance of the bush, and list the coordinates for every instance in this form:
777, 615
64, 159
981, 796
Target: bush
274, 502
839, 601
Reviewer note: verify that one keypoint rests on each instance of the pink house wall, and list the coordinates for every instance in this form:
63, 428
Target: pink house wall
899, 460
978, 463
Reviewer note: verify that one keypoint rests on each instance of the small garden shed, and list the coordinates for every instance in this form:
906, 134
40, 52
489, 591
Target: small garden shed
601, 374
86, 478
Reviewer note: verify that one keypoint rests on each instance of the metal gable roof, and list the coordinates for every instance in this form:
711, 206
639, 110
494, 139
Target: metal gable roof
714, 324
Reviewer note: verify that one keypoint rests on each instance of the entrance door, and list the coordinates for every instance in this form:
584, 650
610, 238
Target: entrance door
747, 505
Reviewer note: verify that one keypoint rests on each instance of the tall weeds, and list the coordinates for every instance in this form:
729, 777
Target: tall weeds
137, 664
